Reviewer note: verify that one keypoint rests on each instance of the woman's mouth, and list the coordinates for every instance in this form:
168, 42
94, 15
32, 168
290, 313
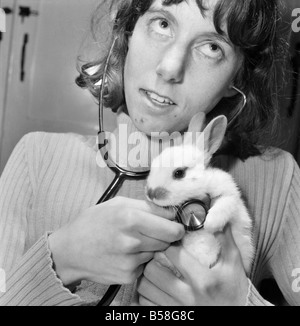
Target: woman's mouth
157, 99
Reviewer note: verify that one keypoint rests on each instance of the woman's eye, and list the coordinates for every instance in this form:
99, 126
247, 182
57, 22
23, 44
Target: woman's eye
162, 27
211, 50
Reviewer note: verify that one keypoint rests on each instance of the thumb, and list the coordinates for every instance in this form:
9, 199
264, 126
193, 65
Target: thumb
167, 213
185, 263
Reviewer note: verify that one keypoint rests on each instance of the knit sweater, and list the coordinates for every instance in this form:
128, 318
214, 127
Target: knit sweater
50, 178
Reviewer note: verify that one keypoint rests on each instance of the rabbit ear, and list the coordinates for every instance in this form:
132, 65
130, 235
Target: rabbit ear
195, 129
197, 122
214, 134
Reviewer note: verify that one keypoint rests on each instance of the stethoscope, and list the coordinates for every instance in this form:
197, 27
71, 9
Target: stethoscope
191, 214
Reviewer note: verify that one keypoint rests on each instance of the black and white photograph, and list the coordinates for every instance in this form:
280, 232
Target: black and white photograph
149, 155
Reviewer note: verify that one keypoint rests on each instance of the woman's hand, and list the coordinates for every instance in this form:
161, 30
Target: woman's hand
111, 242
224, 284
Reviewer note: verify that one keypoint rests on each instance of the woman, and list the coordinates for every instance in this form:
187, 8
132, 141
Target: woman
171, 60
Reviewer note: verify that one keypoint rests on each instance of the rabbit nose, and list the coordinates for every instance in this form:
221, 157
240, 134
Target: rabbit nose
150, 193
157, 193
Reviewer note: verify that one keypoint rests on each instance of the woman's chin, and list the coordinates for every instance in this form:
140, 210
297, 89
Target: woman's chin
147, 127
155, 130
151, 125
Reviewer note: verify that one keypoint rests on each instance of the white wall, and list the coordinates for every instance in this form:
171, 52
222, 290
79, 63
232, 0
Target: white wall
48, 99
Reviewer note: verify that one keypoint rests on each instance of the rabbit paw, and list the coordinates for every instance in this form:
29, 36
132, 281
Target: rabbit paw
210, 258
215, 222
203, 246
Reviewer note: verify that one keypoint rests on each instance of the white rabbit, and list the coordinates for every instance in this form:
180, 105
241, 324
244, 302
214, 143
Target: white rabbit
182, 173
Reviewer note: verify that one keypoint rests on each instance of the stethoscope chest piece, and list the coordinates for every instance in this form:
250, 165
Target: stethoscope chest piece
192, 214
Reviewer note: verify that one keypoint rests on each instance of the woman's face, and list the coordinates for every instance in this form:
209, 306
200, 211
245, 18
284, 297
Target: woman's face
177, 65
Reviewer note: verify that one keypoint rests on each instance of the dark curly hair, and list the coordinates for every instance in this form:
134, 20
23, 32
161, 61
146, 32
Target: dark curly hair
254, 26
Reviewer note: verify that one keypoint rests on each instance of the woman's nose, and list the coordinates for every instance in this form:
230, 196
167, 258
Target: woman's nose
171, 67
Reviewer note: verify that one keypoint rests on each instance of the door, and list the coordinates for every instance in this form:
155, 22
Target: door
5, 46
41, 95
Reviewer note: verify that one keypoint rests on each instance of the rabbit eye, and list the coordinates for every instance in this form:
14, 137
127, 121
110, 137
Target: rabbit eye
179, 173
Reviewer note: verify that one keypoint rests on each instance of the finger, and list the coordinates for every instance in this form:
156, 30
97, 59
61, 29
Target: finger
174, 255
165, 279
150, 207
145, 302
158, 228
187, 265
153, 294
167, 213
137, 274
151, 244
144, 257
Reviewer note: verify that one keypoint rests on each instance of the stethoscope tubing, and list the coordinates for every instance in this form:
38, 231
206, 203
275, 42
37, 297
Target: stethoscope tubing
112, 189
120, 176
109, 193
